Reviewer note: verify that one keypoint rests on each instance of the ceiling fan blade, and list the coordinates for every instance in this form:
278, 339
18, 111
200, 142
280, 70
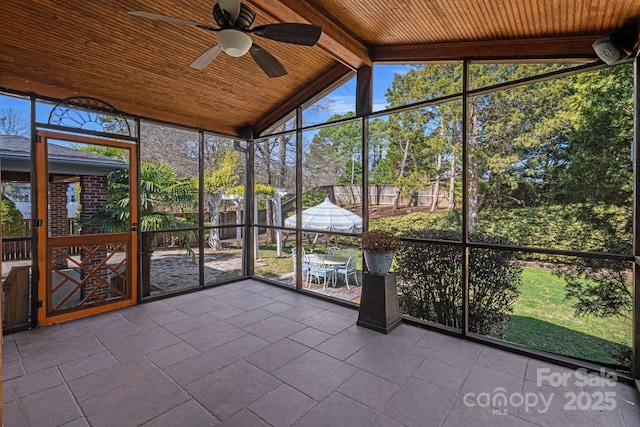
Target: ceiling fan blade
232, 7
168, 18
206, 58
269, 64
292, 32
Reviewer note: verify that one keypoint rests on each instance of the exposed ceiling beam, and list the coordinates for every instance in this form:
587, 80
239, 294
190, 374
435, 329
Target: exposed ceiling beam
334, 40
320, 84
556, 47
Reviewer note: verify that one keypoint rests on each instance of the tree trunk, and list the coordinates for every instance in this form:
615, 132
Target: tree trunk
403, 165
452, 183
473, 174
214, 209
436, 188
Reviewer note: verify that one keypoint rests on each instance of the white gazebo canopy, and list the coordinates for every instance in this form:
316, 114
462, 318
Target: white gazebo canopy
328, 217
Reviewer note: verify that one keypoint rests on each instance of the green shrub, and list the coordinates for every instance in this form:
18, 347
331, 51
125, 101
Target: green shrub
430, 281
314, 196
12, 220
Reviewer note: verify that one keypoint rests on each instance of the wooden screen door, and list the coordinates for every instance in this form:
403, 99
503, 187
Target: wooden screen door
85, 225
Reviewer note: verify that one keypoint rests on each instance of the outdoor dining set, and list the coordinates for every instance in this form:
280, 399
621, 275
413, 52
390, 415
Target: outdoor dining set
327, 268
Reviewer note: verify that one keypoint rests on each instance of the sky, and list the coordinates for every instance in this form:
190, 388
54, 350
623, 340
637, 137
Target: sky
343, 98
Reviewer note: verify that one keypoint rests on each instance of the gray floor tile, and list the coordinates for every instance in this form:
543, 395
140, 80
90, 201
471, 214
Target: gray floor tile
274, 328
226, 311
484, 380
78, 422
246, 345
146, 311
190, 323
87, 365
277, 307
344, 344
133, 346
11, 370
315, 374
109, 378
393, 363
502, 360
200, 365
311, 366
329, 322
419, 403
9, 350
448, 350
232, 388
440, 374
282, 406
199, 306
189, 414
243, 418
30, 383
249, 302
248, 317
171, 355
212, 335
301, 312
170, 317
368, 389
465, 415
134, 403
276, 355
310, 337
117, 327
337, 410
51, 407
384, 421
49, 353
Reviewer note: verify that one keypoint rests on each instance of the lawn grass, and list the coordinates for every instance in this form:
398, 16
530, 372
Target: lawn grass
543, 319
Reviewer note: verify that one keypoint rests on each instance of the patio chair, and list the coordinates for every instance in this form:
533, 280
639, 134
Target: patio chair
319, 270
305, 265
333, 250
348, 269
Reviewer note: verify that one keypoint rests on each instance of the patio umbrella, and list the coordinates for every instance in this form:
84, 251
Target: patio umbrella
328, 217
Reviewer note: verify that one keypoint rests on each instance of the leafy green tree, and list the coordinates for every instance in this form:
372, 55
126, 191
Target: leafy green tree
12, 220
219, 180
332, 151
161, 194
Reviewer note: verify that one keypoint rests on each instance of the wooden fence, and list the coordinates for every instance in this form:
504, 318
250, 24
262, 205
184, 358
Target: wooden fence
385, 195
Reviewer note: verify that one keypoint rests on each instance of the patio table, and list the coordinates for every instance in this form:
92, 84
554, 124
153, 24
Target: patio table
332, 261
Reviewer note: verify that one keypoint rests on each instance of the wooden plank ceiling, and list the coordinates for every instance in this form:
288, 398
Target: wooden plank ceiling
94, 48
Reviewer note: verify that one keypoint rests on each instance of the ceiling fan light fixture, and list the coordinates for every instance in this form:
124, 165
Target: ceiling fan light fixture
234, 42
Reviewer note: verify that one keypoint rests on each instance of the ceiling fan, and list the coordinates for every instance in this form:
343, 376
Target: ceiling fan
234, 20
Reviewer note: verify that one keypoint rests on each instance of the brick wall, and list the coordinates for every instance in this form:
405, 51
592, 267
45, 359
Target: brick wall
93, 198
58, 221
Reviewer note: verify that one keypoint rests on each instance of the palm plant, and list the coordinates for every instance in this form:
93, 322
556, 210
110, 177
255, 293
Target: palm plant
161, 193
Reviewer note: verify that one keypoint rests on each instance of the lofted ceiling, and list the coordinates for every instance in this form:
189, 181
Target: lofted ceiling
64, 48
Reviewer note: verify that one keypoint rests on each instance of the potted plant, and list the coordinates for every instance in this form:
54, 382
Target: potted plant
379, 247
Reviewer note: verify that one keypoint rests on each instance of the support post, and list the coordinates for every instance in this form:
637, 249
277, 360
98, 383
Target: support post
379, 308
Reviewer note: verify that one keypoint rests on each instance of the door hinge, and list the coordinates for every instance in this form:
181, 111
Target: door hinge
37, 223
39, 304
38, 138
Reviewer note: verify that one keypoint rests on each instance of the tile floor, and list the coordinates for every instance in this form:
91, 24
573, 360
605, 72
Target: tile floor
250, 354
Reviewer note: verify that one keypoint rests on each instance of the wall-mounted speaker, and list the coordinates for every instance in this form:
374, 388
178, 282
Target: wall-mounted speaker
609, 51
620, 44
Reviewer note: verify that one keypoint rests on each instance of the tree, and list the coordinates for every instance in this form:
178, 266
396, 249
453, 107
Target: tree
12, 220
161, 194
333, 151
219, 180
13, 123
